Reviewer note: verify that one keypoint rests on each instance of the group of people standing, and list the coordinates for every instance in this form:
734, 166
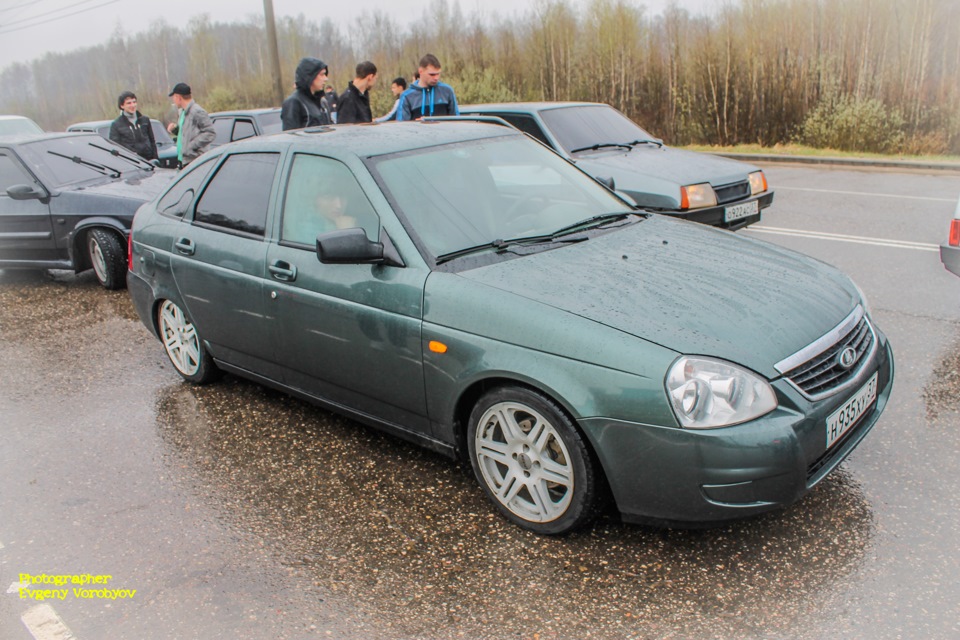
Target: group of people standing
309, 105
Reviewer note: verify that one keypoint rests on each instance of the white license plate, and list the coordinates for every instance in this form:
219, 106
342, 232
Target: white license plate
742, 210
840, 421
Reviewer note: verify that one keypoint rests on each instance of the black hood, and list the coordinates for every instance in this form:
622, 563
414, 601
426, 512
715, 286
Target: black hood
307, 70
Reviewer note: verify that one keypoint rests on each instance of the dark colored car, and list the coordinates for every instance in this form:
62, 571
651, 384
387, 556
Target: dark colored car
462, 286
950, 251
166, 147
608, 145
67, 201
240, 125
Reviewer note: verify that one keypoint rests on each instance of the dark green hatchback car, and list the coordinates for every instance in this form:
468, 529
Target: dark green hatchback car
462, 286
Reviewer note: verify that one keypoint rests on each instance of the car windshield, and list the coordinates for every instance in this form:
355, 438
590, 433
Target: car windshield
485, 192
75, 159
270, 122
583, 127
160, 134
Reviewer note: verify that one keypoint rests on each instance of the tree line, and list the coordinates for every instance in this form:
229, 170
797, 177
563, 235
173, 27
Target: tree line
867, 75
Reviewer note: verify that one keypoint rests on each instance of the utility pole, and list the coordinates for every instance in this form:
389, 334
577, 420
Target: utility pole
271, 27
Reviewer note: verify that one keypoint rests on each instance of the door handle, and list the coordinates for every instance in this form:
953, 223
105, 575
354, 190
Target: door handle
185, 246
282, 270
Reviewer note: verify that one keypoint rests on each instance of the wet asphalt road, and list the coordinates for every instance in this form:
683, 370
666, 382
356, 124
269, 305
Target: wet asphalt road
238, 512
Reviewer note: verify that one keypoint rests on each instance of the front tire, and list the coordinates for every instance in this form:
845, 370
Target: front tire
108, 258
532, 461
183, 345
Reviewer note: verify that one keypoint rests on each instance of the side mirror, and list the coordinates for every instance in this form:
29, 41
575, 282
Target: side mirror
25, 192
351, 246
607, 182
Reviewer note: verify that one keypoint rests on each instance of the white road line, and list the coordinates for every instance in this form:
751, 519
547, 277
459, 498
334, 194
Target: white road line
864, 193
838, 237
43, 623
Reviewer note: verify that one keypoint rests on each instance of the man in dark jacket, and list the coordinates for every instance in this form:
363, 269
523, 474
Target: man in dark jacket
303, 107
355, 100
133, 130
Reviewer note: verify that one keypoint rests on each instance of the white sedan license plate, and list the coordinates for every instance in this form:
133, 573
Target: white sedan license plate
742, 210
840, 421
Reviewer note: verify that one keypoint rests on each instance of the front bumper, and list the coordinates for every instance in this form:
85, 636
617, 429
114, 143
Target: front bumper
950, 257
685, 477
714, 216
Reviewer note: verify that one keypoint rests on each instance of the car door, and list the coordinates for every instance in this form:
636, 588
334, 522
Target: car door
218, 261
26, 228
347, 333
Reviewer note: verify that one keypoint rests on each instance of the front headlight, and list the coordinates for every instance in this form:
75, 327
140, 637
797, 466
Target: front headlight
758, 182
707, 393
695, 196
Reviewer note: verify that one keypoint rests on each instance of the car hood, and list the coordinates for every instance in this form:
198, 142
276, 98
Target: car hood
661, 171
686, 287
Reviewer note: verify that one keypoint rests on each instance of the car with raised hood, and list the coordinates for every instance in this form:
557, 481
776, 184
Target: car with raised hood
609, 146
166, 146
950, 250
462, 286
67, 201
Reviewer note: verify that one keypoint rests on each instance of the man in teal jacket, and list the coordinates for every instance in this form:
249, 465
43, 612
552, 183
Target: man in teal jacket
429, 96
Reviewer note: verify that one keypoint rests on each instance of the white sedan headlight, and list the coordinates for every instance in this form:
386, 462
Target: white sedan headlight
695, 196
707, 393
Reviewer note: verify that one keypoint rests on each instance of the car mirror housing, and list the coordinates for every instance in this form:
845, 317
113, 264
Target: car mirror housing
25, 192
351, 246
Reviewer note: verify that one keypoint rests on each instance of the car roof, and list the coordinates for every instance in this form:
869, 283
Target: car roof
528, 106
14, 118
23, 138
245, 112
367, 140
95, 124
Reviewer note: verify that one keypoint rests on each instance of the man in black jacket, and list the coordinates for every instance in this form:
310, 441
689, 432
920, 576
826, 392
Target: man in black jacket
355, 100
132, 130
303, 107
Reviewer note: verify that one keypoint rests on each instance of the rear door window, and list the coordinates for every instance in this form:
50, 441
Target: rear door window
238, 196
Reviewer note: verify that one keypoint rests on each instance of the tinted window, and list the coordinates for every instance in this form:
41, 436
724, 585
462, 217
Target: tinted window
11, 174
270, 122
579, 127
180, 197
223, 127
243, 129
323, 195
238, 196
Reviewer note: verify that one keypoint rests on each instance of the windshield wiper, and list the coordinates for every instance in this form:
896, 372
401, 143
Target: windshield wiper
139, 162
659, 143
603, 145
594, 221
503, 245
103, 169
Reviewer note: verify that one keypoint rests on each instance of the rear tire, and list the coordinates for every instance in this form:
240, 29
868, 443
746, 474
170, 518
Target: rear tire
532, 461
184, 346
108, 258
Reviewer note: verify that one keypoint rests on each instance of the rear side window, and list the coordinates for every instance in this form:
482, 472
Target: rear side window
243, 129
177, 201
526, 124
223, 128
238, 196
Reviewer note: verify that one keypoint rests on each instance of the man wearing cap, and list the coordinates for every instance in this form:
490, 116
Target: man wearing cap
132, 130
194, 129
304, 107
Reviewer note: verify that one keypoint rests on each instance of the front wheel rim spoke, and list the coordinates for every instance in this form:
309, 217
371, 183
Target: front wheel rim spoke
551, 471
496, 451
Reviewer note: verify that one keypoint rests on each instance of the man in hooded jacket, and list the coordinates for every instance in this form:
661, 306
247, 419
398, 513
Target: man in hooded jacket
303, 107
133, 130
